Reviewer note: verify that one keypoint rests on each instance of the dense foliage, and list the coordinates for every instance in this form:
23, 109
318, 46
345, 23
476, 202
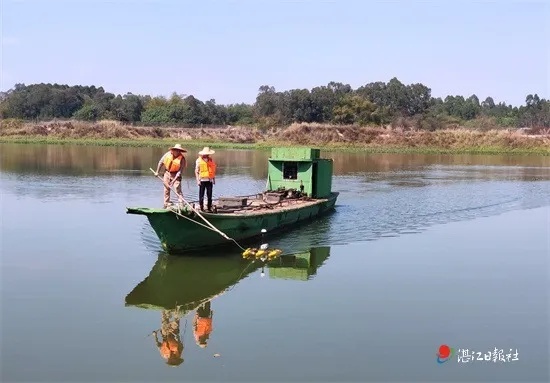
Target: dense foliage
376, 103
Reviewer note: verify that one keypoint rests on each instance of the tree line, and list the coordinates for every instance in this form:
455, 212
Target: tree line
376, 103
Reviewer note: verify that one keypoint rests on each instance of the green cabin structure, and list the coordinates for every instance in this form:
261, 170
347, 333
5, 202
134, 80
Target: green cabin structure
299, 266
301, 169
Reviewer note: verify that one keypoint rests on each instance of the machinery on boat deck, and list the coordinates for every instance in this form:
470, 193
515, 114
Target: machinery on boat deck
266, 200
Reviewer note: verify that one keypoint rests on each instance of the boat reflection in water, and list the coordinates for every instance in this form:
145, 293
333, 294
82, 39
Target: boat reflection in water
177, 286
298, 266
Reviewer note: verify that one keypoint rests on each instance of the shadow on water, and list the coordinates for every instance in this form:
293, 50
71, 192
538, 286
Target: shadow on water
176, 286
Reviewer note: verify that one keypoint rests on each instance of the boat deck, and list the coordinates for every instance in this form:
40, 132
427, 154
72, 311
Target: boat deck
257, 204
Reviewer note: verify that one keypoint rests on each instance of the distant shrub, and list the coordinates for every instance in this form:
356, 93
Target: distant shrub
11, 123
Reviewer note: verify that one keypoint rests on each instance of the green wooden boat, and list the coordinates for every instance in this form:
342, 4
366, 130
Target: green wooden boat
186, 283
298, 189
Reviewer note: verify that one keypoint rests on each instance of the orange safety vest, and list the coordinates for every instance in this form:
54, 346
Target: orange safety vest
172, 164
203, 327
168, 347
207, 169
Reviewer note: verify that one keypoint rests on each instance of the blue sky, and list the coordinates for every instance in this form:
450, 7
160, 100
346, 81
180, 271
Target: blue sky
225, 50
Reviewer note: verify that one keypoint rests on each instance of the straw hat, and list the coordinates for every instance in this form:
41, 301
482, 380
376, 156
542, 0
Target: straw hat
206, 151
174, 361
178, 147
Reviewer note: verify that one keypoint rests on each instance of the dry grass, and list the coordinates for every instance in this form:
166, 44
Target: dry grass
295, 134
458, 138
117, 130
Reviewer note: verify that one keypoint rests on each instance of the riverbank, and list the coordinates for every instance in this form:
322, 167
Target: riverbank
329, 137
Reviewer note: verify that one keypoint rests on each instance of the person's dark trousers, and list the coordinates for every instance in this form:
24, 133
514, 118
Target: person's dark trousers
205, 185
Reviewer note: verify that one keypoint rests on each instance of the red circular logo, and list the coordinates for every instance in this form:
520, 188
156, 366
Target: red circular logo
444, 351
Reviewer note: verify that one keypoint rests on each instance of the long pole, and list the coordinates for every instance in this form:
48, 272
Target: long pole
191, 207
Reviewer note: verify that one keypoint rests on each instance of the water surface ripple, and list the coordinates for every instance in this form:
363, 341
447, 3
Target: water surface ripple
372, 206
421, 250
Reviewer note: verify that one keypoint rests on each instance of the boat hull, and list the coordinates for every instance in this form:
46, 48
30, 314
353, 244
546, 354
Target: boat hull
179, 235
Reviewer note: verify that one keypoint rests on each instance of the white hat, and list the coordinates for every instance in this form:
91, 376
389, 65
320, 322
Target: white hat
206, 151
178, 147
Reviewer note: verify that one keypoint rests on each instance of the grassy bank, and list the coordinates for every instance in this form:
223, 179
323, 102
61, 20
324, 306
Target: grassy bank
331, 137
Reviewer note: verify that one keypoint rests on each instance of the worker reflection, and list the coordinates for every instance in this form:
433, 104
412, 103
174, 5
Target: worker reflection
171, 347
202, 324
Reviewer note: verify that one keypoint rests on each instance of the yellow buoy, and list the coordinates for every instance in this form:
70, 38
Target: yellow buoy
260, 252
274, 253
250, 252
263, 253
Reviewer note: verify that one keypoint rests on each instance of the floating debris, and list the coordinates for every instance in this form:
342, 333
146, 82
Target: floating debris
263, 253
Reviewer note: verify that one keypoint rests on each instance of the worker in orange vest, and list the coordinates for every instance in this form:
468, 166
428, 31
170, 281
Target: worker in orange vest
205, 172
174, 162
202, 324
171, 347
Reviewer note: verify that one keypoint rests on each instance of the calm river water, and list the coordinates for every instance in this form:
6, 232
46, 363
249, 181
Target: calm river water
422, 250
